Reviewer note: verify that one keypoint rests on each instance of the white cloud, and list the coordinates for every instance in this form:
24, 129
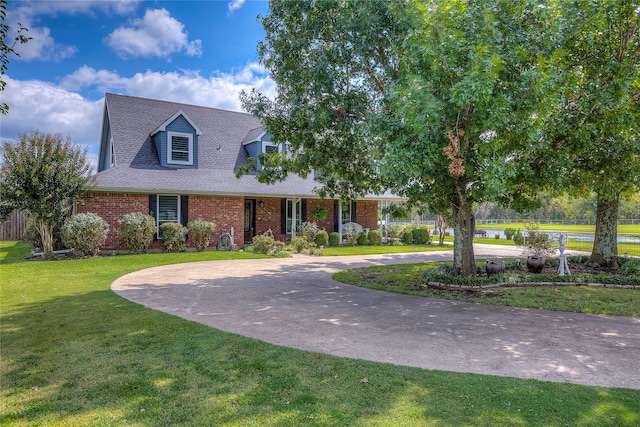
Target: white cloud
157, 34
235, 5
42, 46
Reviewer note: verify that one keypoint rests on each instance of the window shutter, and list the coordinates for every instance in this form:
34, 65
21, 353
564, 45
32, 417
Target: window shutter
184, 210
153, 207
303, 210
336, 215
353, 212
283, 216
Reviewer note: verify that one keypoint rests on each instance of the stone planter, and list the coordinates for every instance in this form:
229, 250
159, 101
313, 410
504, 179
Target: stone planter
535, 264
494, 267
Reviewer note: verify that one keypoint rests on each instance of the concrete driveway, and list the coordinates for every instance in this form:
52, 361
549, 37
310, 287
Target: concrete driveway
294, 302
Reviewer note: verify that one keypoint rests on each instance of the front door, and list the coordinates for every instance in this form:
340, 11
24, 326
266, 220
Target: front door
249, 220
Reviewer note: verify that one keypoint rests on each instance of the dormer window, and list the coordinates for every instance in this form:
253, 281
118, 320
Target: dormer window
180, 148
270, 147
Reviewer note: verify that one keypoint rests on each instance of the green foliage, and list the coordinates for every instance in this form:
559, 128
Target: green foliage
420, 236
45, 175
630, 267
374, 237
263, 244
201, 231
407, 237
173, 236
309, 230
363, 239
322, 239
509, 231
350, 232
137, 231
518, 238
300, 243
536, 242
393, 231
319, 213
334, 238
85, 232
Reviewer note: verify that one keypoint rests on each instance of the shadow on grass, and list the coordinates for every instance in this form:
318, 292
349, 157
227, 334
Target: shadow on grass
95, 358
14, 251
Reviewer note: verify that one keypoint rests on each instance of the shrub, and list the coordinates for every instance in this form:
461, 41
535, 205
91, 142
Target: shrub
407, 237
137, 231
309, 230
350, 232
518, 238
334, 239
201, 232
322, 239
630, 267
300, 243
394, 231
420, 236
363, 239
263, 244
85, 232
173, 236
374, 237
509, 231
537, 242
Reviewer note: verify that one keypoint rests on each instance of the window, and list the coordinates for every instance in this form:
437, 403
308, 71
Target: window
270, 148
346, 212
290, 206
180, 148
168, 209
112, 155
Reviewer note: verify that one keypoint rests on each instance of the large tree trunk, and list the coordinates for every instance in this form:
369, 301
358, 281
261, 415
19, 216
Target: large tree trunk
46, 236
464, 262
605, 244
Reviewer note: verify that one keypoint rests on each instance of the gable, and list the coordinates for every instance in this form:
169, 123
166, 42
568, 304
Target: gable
176, 142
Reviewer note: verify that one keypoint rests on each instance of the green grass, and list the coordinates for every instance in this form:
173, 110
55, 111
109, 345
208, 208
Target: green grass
370, 250
74, 353
407, 279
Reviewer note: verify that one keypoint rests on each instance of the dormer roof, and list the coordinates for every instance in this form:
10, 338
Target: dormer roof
163, 126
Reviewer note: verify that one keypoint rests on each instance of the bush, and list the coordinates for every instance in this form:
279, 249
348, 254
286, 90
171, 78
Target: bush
363, 239
85, 232
518, 238
201, 232
173, 236
509, 231
334, 239
137, 231
263, 244
394, 231
375, 238
300, 243
322, 239
630, 267
309, 230
350, 232
407, 237
420, 236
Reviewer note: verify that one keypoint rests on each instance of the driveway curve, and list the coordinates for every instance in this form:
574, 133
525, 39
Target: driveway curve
294, 302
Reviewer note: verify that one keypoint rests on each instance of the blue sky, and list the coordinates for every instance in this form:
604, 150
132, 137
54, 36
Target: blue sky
197, 52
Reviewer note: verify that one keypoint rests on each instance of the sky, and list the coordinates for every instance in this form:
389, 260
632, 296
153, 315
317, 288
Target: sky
201, 52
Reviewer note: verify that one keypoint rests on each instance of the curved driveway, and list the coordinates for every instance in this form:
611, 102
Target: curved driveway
294, 302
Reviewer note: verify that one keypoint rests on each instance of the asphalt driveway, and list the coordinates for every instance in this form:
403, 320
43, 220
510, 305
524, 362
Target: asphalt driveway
294, 302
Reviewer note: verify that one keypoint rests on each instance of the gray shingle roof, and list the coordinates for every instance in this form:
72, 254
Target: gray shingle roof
220, 148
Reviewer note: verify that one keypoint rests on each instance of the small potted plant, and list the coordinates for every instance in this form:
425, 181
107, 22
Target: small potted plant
537, 247
509, 232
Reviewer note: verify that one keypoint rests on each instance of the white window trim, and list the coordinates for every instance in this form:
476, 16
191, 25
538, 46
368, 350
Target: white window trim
112, 154
266, 144
178, 220
170, 136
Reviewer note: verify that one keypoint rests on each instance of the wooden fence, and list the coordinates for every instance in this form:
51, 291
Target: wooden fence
15, 227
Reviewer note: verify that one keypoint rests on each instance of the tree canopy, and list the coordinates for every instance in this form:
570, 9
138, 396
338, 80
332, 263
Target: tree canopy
8, 50
44, 175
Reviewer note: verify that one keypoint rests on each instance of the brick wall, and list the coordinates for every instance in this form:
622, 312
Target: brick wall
225, 212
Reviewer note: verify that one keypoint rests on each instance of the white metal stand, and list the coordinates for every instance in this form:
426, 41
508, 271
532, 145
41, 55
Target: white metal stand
564, 266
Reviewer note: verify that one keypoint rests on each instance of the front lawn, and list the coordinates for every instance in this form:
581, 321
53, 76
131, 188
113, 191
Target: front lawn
382, 249
74, 353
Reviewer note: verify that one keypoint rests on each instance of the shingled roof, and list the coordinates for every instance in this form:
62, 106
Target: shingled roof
132, 120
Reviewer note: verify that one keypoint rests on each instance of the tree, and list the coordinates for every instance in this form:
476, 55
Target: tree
44, 175
433, 100
597, 119
7, 50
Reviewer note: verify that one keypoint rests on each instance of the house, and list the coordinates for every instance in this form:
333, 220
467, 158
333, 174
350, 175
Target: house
178, 162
